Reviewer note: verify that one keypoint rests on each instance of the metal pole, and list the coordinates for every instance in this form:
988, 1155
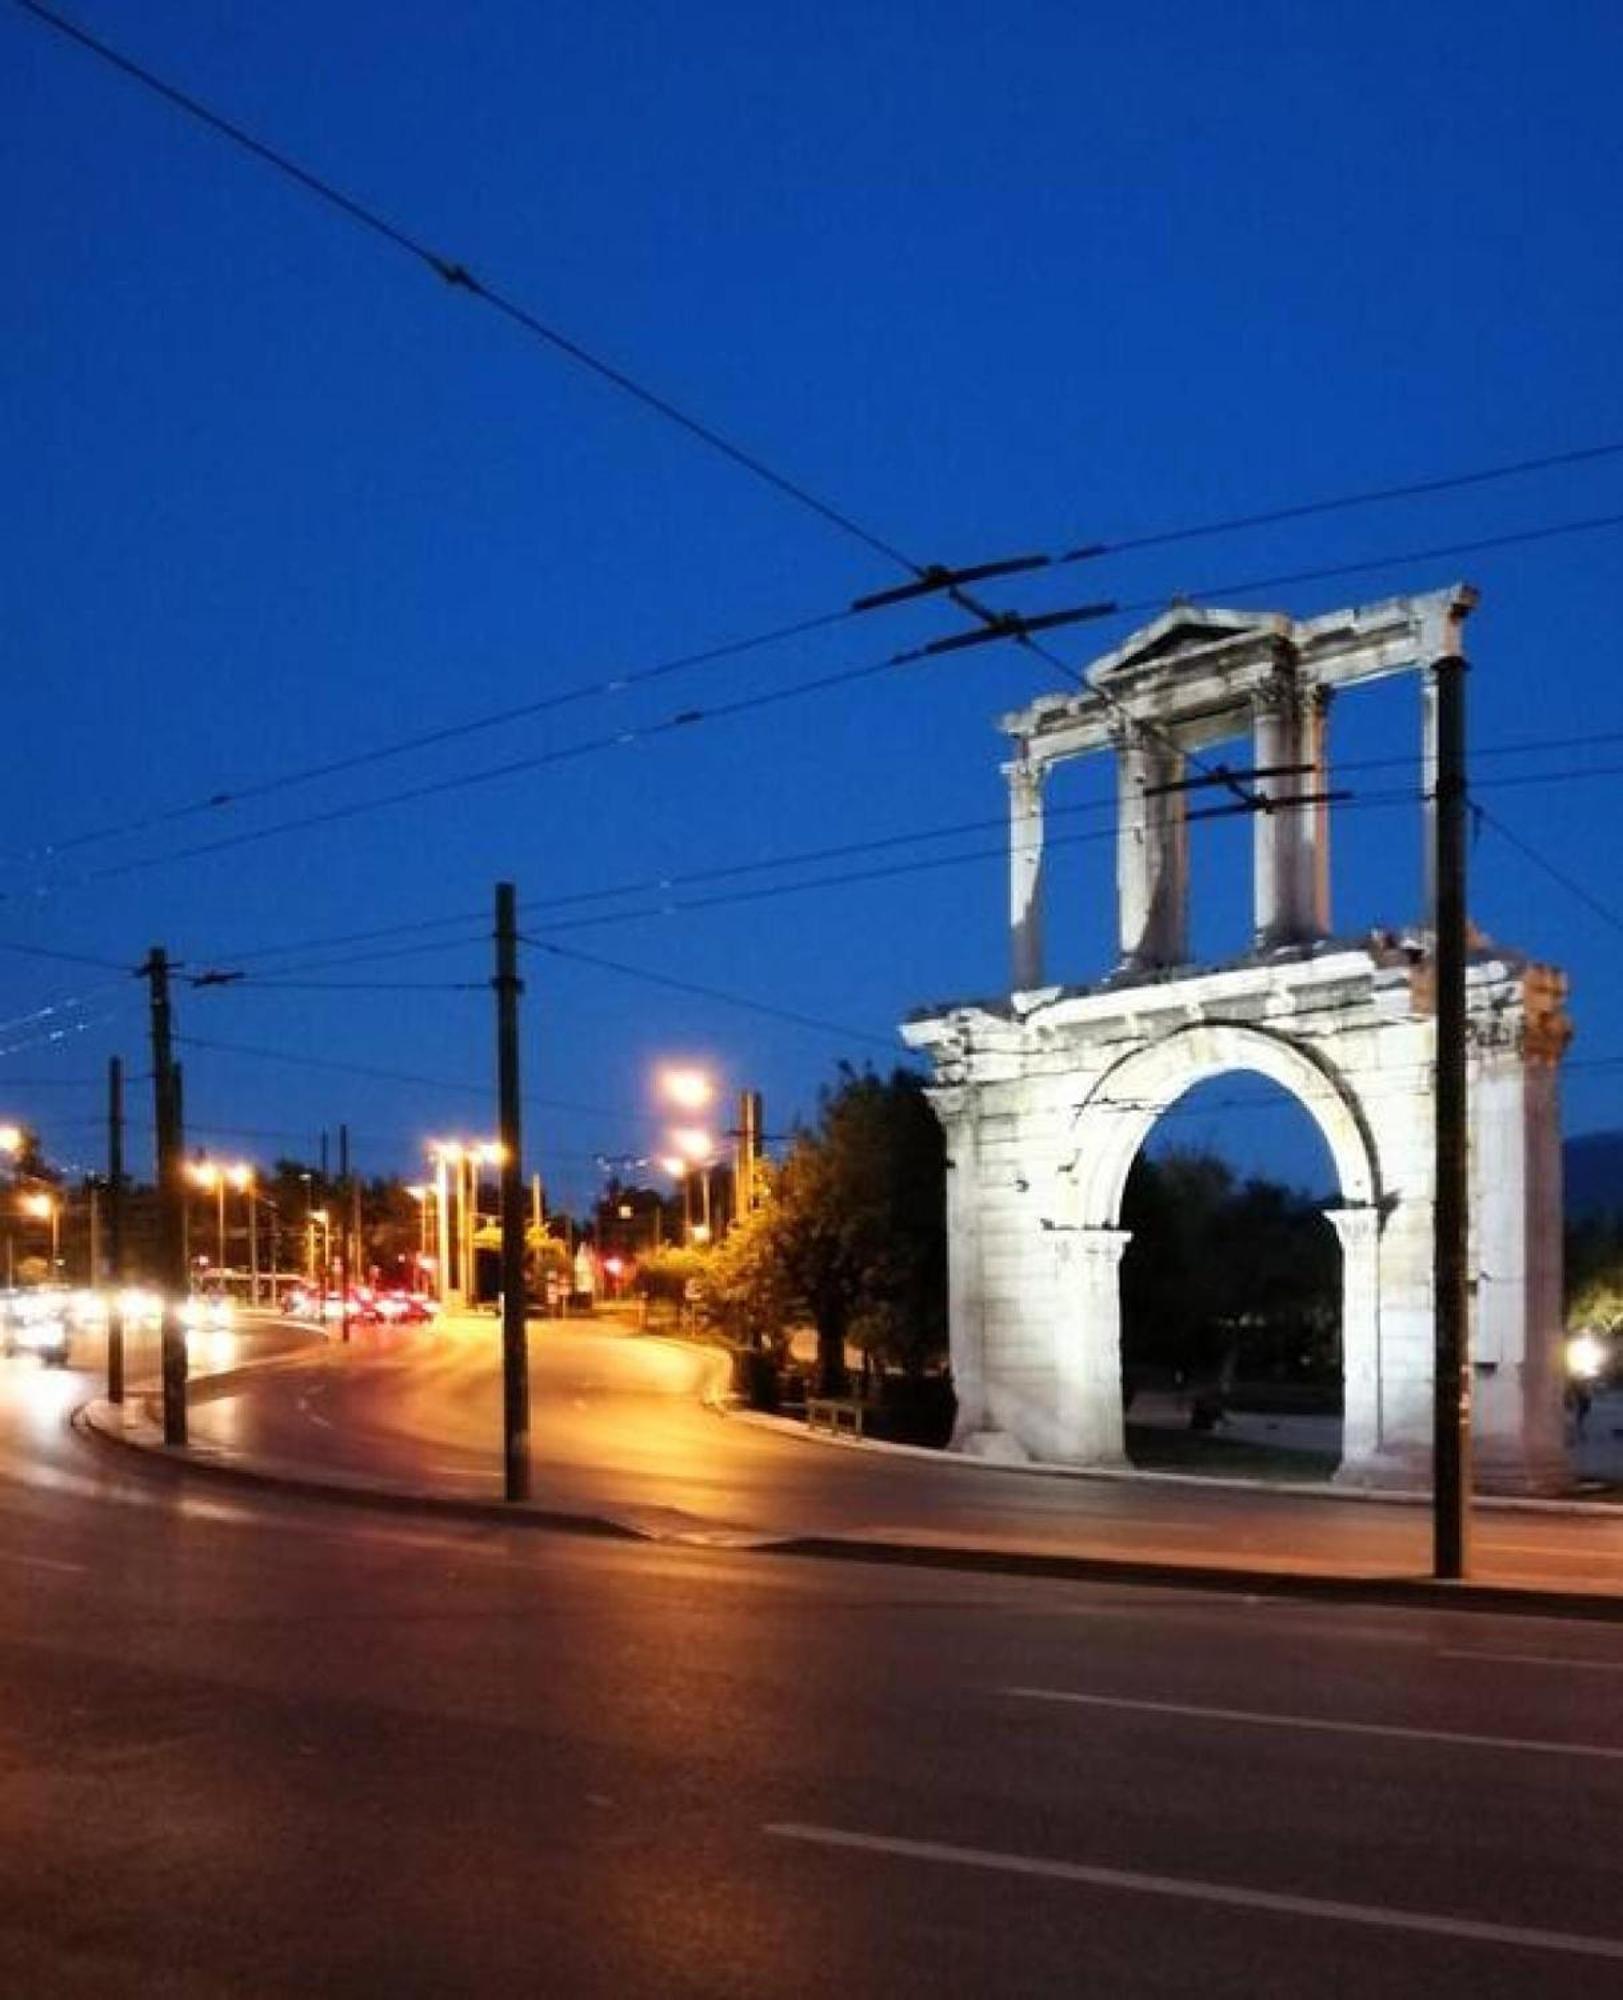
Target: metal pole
115, 1229
253, 1245
343, 1232
1451, 1466
515, 1349
171, 1196
442, 1229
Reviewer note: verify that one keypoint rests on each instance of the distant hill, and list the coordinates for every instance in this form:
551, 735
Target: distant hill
1593, 1165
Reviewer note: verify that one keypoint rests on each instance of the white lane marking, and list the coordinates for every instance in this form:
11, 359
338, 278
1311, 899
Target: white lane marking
45, 1562
1537, 1660
1609, 1751
1225, 1894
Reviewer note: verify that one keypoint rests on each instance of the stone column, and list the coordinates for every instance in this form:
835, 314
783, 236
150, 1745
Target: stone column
1428, 794
1277, 868
1360, 1232
1026, 873
1310, 904
1087, 1346
1518, 1331
1152, 853
966, 1303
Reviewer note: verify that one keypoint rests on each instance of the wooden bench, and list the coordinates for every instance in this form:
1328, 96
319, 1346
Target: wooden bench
838, 1413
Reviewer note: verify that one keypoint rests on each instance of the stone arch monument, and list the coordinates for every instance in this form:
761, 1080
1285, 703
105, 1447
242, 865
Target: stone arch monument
1047, 1093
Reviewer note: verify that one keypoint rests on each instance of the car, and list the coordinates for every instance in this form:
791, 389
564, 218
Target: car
38, 1322
209, 1312
396, 1308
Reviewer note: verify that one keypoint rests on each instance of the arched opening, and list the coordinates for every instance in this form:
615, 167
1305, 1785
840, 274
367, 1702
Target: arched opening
1231, 1287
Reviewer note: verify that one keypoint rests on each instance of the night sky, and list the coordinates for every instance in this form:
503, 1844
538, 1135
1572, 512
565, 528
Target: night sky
982, 281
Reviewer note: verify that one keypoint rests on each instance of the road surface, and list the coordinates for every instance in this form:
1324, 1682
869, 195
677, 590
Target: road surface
261, 1745
619, 1428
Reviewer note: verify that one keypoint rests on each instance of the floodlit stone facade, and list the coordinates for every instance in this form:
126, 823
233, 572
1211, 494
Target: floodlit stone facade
1047, 1094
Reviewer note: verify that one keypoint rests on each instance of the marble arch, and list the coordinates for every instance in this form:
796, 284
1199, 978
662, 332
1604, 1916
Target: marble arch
1046, 1093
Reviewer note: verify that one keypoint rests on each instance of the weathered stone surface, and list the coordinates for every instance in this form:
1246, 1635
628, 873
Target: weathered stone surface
1047, 1095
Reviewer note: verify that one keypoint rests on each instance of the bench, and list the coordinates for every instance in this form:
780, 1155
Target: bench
839, 1413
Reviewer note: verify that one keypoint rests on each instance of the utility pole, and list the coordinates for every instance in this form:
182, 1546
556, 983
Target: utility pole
115, 1229
1451, 1441
343, 1228
515, 1348
177, 1072
171, 1195
749, 1153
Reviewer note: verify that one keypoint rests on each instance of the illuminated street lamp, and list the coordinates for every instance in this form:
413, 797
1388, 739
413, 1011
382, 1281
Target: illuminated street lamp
12, 1141
466, 1156
698, 1149
241, 1177
318, 1218
422, 1193
217, 1176
46, 1208
687, 1089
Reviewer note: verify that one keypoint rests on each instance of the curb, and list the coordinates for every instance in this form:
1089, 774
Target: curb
1294, 1489
109, 1426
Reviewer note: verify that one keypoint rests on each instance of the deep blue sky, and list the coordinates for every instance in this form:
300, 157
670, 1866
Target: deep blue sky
986, 279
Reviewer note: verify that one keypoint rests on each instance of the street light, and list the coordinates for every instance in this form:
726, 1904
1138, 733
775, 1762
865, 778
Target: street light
47, 1209
686, 1088
422, 1194
698, 1148
320, 1217
466, 1156
241, 1177
12, 1141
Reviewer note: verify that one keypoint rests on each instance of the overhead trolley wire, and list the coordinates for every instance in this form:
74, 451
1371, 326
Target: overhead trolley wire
459, 278
426, 739
716, 993
1342, 502
689, 718
1570, 883
996, 624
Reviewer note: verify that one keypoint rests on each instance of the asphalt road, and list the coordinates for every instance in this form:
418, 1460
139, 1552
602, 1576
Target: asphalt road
619, 1429
254, 1745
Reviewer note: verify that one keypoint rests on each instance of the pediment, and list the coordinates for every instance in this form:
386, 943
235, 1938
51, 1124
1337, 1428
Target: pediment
1181, 628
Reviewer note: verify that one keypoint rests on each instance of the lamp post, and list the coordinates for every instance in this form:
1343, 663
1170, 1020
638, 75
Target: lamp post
48, 1211
488, 1152
319, 1218
205, 1174
691, 1091
422, 1195
12, 1141
698, 1150
241, 1177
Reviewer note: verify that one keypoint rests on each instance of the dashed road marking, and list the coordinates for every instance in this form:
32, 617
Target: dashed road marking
1326, 1725
1222, 1894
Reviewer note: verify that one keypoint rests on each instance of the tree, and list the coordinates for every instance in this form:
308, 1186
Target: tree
1224, 1272
858, 1224
748, 1290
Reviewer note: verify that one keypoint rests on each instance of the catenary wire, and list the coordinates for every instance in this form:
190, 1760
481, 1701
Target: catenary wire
423, 740
716, 993
460, 278
818, 684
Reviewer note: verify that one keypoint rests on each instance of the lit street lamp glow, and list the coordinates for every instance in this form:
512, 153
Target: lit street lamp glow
688, 1089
